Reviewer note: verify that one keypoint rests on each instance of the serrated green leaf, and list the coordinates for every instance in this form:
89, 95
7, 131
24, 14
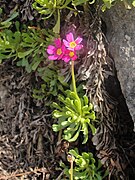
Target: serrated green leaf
64, 124
74, 138
74, 152
17, 36
2, 56
67, 136
133, 3
78, 2
5, 25
93, 129
91, 115
55, 105
55, 127
35, 65
57, 114
61, 98
81, 162
85, 132
25, 53
85, 108
12, 16
24, 62
77, 104
28, 68
86, 100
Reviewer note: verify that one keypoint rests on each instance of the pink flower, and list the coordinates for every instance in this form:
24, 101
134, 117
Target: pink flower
69, 55
72, 44
56, 52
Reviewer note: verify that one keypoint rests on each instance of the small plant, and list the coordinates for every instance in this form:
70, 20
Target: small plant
74, 114
51, 7
84, 167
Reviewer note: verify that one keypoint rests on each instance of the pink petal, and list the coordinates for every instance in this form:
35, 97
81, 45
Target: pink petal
70, 37
50, 49
78, 47
53, 57
71, 49
66, 43
63, 48
66, 58
60, 57
58, 42
78, 40
74, 57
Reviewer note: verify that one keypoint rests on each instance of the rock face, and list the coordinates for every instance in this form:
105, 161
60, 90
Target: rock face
120, 24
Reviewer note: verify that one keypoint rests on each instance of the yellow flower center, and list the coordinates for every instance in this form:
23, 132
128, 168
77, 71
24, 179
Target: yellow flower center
59, 51
71, 54
72, 44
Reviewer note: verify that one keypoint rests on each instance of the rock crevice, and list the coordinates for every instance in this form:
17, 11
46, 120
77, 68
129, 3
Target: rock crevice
120, 34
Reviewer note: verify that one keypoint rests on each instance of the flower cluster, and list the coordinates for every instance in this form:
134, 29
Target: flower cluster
66, 49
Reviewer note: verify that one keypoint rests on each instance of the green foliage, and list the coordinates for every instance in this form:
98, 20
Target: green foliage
74, 115
53, 83
32, 48
8, 22
40, 93
28, 46
49, 7
85, 167
52, 7
9, 44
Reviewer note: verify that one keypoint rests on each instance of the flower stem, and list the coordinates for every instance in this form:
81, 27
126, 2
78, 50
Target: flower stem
71, 168
73, 77
74, 88
71, 159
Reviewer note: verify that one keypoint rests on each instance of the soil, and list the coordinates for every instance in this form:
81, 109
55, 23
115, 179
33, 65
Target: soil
27, 143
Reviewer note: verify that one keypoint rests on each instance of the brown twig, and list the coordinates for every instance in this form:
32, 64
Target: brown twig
40, 170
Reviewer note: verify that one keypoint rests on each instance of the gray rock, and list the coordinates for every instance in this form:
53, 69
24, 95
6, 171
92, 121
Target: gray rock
121, 38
